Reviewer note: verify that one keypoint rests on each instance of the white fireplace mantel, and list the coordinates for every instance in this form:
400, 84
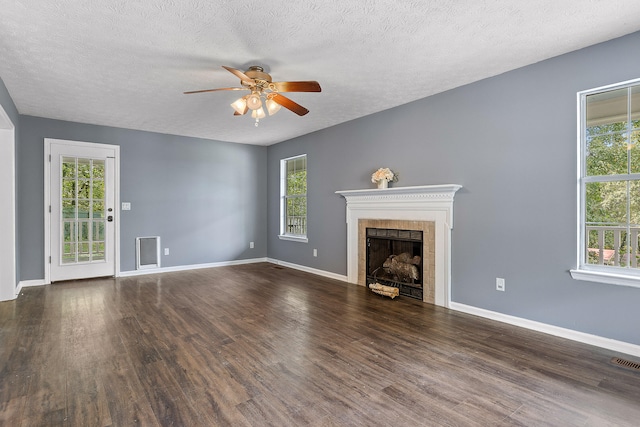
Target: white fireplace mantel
419, 203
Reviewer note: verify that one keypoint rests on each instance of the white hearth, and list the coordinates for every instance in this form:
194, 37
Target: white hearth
419, 203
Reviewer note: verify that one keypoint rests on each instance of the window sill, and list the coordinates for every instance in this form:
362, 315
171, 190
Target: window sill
606, 277
302, 239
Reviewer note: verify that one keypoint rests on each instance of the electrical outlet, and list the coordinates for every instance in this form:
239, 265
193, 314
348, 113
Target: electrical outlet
166, 251
251, 245
315, 252
500, 285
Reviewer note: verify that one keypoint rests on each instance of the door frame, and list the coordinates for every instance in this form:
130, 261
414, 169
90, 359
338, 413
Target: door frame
8, 224
47, 201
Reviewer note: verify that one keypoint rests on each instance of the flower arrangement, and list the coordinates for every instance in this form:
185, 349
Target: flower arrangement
384, 174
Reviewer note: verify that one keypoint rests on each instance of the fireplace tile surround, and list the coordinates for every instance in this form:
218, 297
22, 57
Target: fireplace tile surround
429, 205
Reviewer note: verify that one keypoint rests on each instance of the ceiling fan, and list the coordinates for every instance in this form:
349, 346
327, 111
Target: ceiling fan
265, 92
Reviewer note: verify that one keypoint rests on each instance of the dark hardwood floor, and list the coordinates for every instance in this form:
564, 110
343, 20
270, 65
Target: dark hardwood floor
258, 345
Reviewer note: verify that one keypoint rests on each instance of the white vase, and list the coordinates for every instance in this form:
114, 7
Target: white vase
383, 183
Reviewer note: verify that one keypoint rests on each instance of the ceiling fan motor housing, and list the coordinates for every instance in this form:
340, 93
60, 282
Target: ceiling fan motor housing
257, 73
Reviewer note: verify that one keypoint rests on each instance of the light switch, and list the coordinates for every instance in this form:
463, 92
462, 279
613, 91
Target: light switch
126, 206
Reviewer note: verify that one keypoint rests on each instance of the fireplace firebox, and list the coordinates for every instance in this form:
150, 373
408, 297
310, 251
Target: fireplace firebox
395, 258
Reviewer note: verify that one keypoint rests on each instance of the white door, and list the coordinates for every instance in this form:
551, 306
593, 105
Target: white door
82, 219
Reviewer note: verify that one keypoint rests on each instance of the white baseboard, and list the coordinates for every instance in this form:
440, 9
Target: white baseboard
315, 271
29, 283
190, 267
598, 341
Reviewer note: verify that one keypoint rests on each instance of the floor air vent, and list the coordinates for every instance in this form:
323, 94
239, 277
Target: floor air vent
626, 363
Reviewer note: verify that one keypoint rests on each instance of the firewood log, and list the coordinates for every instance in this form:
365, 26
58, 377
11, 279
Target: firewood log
403, 270
406, 257
388, 291
387, 264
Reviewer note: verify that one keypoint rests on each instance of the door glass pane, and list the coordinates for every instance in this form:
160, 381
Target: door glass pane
84, 231
69, 253
98, 169
84, 189
98, 189
69, 231
68, 209
98, 230
68, 167
68, 188
83, 252
98, 210
98, 251
68, 242
84, 168
83, 210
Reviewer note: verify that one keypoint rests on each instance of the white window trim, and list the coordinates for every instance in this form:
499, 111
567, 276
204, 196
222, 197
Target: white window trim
586, 272
283, 188
605, 277
293, 238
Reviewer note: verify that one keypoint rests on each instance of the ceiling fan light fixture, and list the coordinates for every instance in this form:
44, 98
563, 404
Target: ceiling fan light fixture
254, 102
272, 106
240, 105
258, 114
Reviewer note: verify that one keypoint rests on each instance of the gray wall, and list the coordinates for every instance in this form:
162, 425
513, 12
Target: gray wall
204, 198
511, 142
7, 104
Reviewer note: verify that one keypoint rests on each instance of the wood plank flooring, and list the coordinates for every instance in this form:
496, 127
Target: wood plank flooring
263, 345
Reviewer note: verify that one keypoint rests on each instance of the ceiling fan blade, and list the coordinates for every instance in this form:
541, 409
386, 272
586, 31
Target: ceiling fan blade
215, 90
289, 104
235, 113
242, 76
310, 86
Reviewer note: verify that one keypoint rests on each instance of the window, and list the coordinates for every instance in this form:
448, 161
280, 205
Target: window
293, 195
609, 188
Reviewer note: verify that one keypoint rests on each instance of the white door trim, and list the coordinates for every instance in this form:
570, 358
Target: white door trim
8, 277
47, 200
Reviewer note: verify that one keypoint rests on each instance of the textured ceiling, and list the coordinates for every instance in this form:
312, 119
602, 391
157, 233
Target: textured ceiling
126, 63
